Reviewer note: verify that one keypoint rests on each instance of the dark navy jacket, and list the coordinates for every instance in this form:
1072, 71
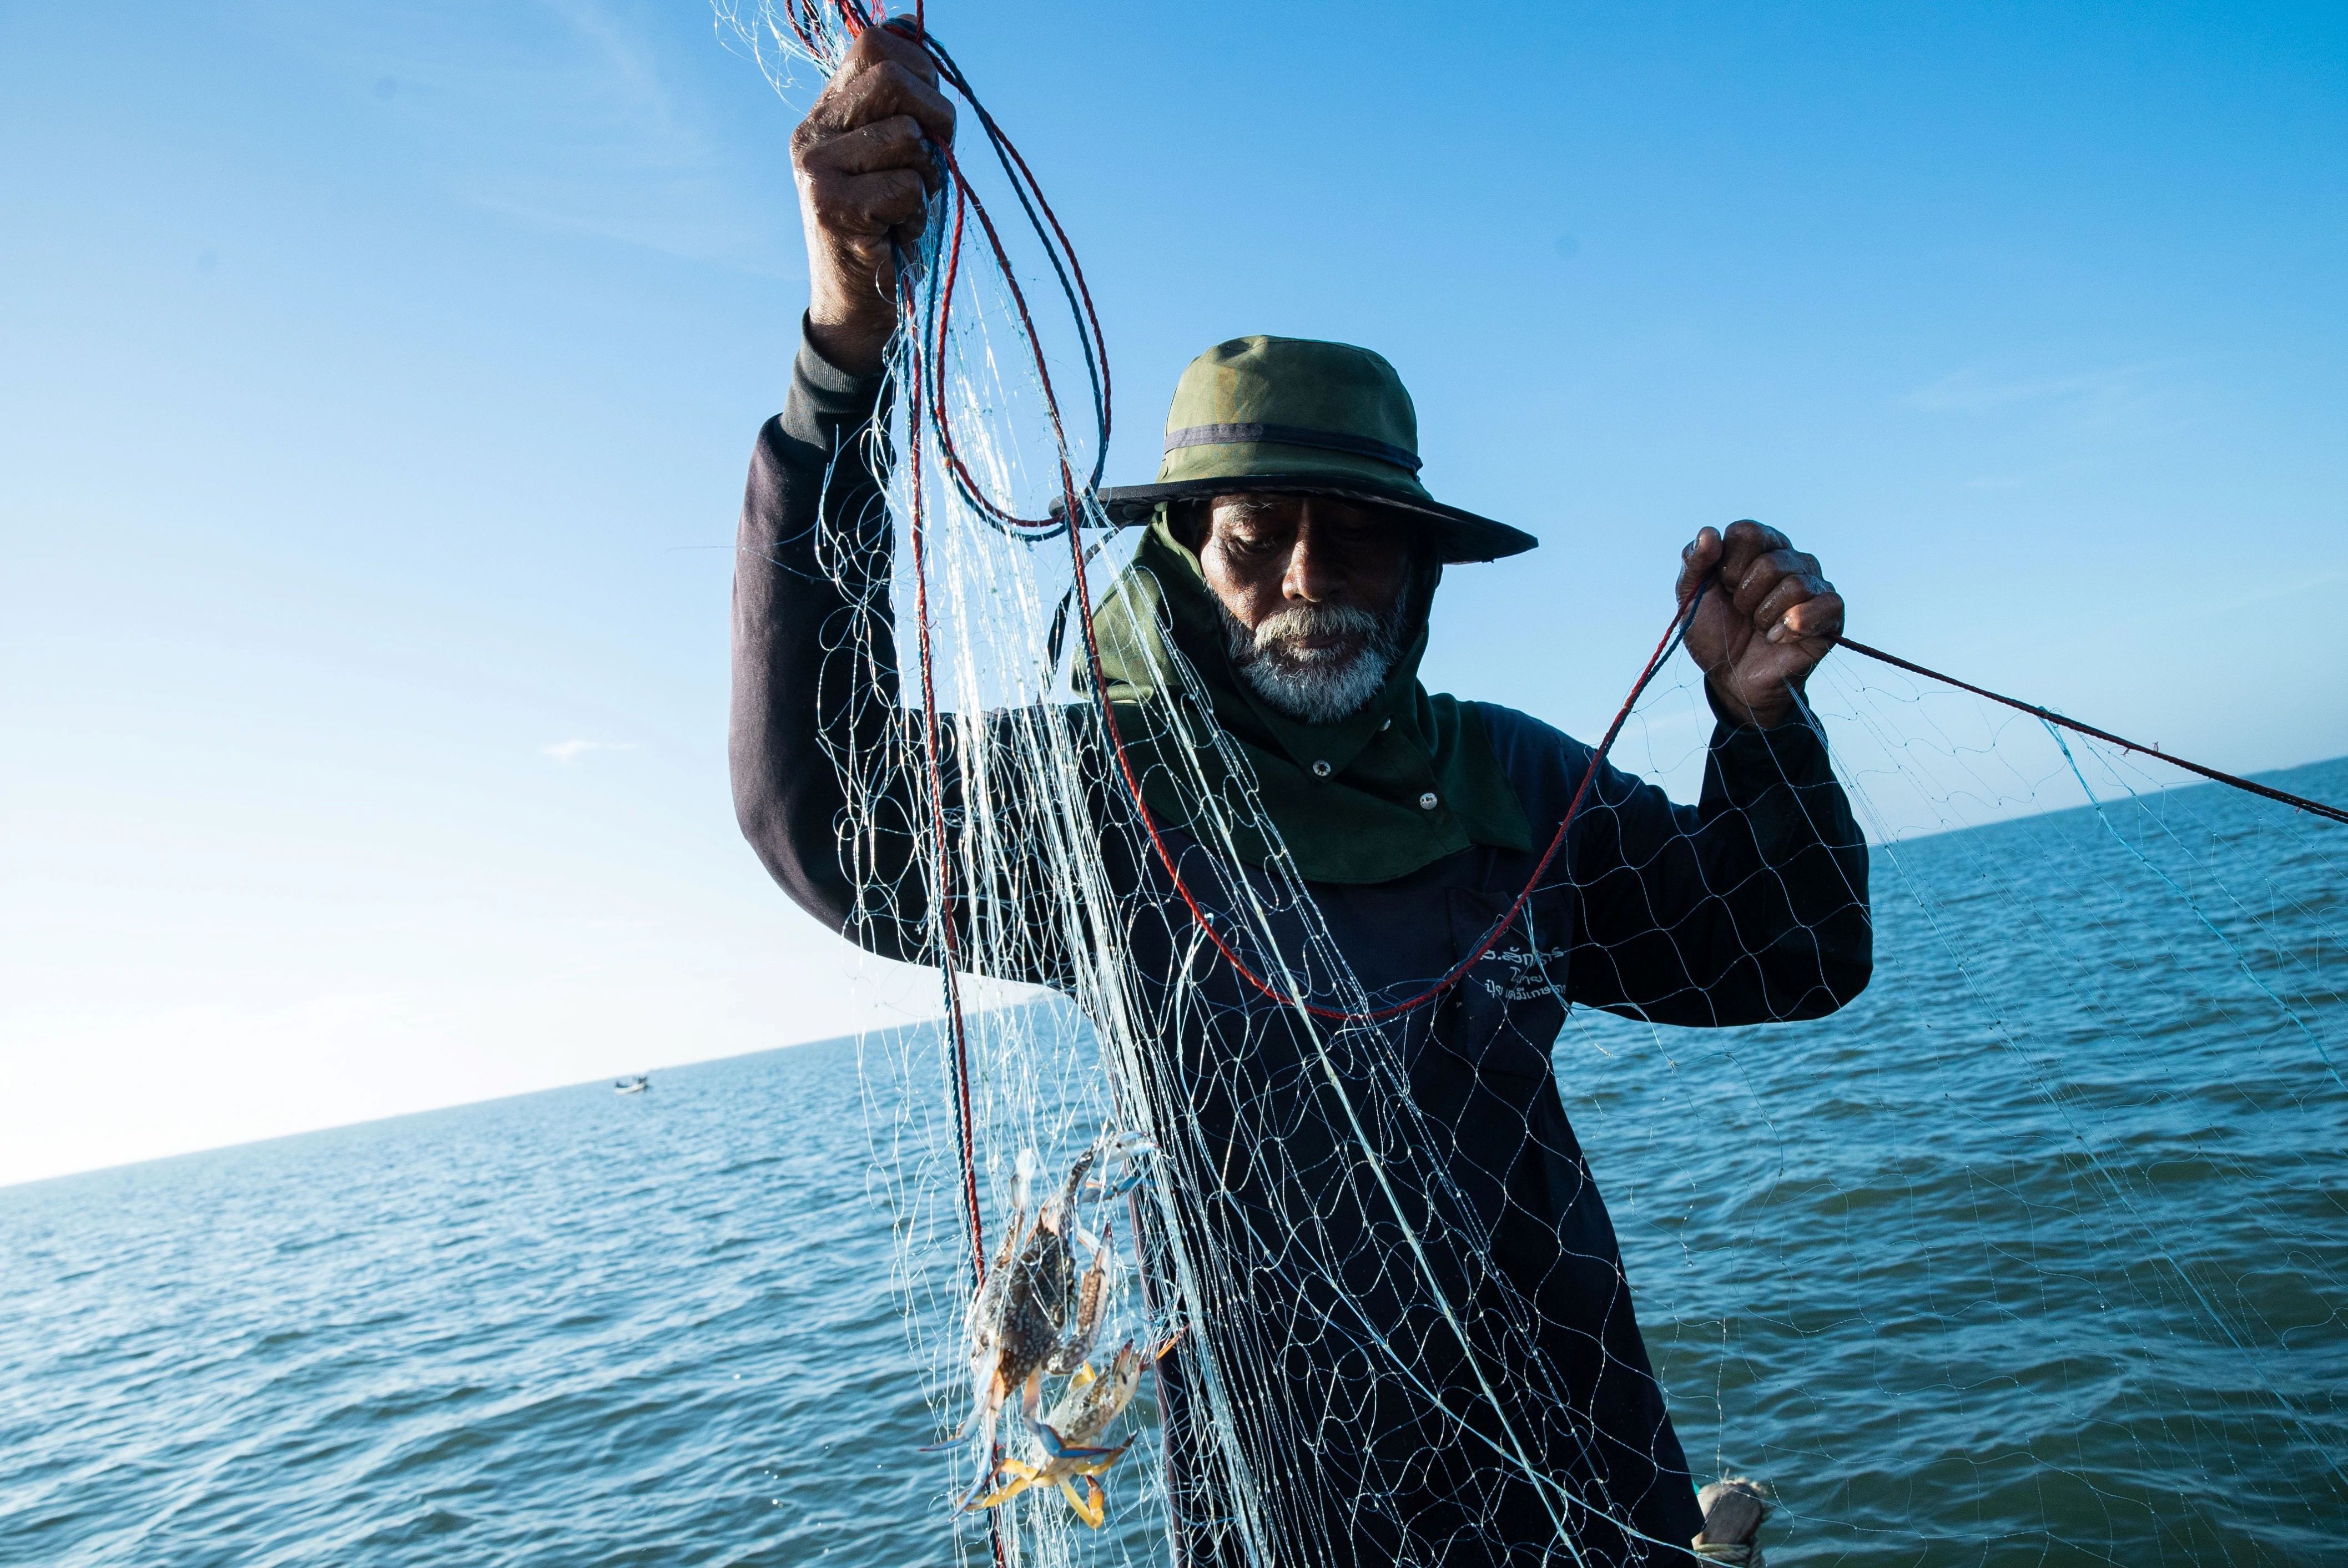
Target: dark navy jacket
1749, 907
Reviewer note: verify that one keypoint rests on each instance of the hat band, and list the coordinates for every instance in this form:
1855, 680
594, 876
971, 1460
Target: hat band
1292, 436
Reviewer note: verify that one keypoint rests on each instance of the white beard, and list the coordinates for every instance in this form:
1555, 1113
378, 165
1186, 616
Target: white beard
1316, 685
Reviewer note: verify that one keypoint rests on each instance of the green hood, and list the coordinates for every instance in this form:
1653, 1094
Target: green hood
1346, 797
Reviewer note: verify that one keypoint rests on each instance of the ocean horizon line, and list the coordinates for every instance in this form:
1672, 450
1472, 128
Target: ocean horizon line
572, 1086
2184, 785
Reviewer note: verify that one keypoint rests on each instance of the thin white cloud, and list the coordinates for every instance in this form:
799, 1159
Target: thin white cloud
1976, 391
559, 114
570, 751
2119, 400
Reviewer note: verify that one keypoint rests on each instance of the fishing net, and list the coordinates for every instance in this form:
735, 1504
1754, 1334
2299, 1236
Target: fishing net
2030, 1253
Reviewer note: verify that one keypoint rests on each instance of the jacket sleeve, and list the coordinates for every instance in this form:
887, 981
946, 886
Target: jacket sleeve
1748, 907
830, 770
815, 708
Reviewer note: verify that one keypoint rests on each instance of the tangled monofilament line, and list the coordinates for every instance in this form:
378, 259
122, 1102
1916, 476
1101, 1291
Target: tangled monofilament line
976, 548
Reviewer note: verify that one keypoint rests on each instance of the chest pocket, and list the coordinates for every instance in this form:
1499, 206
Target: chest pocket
1505, 1011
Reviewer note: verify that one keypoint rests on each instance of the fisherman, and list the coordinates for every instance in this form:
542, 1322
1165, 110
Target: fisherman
1293, 552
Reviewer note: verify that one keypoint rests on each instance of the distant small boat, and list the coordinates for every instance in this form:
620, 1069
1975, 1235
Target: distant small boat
636, 1084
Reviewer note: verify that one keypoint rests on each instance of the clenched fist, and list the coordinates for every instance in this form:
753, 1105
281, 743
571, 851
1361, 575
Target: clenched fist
1766, 620
865, 162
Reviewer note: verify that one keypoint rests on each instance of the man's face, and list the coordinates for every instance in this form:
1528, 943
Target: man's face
1313, 592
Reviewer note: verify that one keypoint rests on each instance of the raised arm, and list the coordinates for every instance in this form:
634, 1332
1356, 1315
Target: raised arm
1751, 905
830, 770
816, 715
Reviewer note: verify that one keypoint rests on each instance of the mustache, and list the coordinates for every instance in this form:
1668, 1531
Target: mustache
1299, 622
1318, 685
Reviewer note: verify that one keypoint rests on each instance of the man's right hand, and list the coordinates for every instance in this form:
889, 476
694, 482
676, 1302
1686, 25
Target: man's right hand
865, 171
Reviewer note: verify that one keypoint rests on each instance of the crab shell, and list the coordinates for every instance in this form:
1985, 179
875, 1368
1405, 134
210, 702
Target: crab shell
1039, 1301
1092, 1401
1017, 1319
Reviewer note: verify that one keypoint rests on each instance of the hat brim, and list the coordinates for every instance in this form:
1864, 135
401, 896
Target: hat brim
1460, 536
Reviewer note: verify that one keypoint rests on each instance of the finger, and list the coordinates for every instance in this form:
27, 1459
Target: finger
1792, 589
891, 43
1744, 542
868, 205
886, 89
897, 142
1818, 619
1698, 558
1761, 579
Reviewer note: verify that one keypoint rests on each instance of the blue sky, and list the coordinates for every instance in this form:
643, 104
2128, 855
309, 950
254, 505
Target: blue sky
375, 388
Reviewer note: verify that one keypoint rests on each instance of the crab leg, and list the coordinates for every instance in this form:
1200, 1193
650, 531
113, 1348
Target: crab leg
1022, 1476
1093, 1507
1058, 1450
975, 1498
1090, 1293
1076, 1174
1110, 1190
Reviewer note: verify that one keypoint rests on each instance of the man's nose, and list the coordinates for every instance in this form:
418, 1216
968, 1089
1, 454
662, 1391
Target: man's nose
1308, 578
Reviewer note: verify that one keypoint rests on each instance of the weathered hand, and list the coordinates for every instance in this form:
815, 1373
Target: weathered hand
1768, 619
865, 168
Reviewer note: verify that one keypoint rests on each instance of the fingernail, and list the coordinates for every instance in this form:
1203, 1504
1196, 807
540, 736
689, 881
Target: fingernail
1778, 633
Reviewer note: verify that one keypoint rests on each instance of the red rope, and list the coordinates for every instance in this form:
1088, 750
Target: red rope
967, 199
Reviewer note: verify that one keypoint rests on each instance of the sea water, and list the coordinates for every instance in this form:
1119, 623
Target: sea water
2032, 1255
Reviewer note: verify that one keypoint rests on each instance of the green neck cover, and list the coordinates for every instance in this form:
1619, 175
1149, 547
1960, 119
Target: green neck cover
1346, 798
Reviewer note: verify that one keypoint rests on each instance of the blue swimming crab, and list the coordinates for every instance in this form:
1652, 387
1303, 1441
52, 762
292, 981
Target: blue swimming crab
1069, 1435
1037, 1316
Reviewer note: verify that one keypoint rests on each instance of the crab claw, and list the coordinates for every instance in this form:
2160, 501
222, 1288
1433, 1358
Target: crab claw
1024, 1172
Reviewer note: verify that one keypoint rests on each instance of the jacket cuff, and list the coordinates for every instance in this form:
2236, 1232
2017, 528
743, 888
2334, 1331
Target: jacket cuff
1729, 721
825, 400
1751, 759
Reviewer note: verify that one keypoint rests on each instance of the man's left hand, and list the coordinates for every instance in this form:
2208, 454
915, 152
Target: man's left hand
1768, 618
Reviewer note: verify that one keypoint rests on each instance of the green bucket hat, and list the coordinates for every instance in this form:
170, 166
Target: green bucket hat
1291, 414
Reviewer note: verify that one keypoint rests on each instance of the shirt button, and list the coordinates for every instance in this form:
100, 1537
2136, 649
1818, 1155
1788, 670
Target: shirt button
1320, 770
1387, 726
1426, 802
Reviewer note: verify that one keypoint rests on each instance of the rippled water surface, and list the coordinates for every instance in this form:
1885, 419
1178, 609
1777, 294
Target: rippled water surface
2033, 1256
